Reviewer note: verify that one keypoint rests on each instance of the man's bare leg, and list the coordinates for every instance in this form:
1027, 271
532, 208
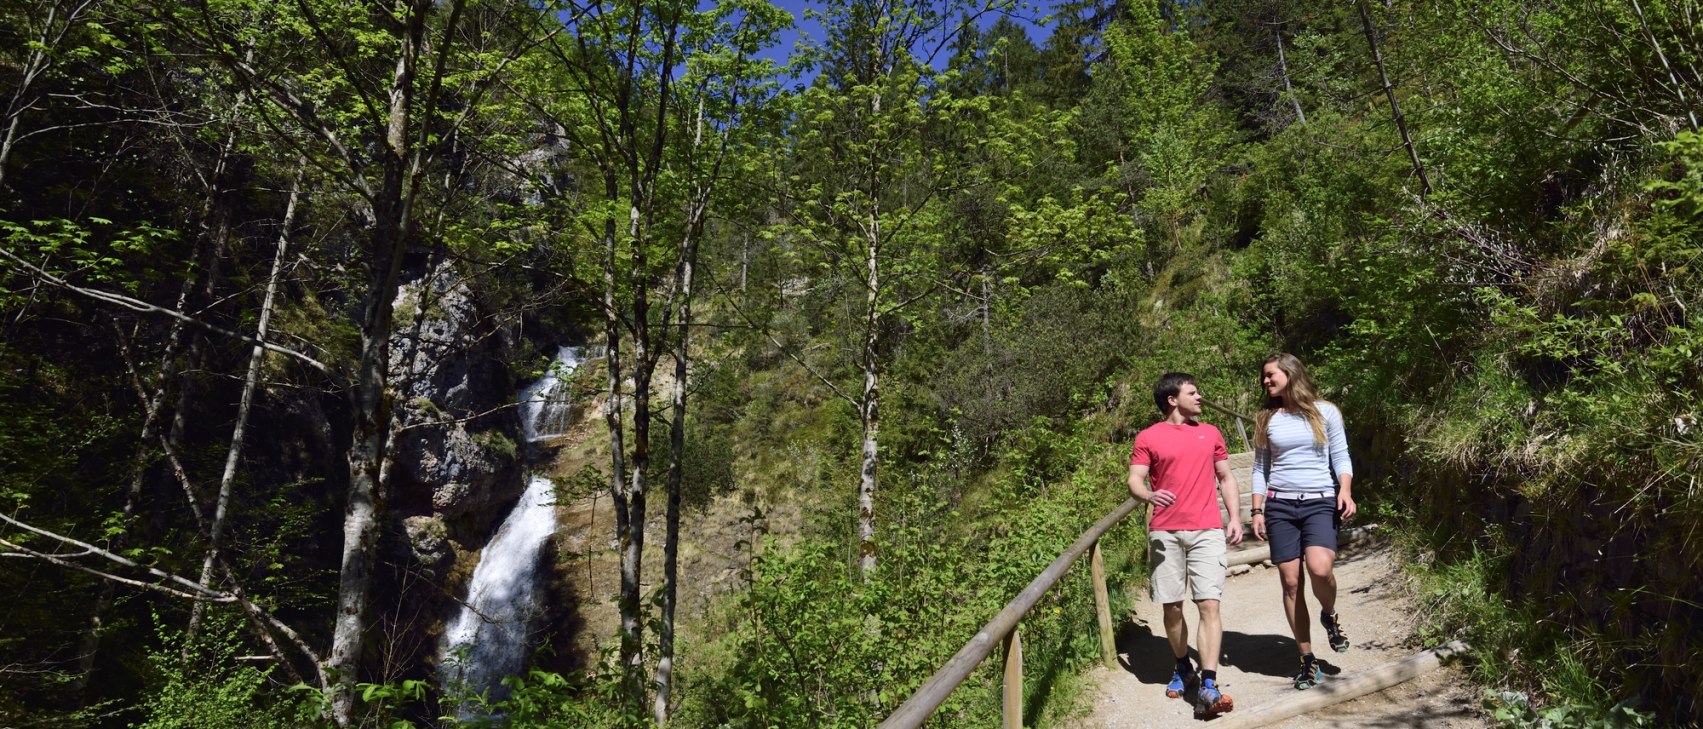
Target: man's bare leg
1210, 700
1211, 634
1177, 630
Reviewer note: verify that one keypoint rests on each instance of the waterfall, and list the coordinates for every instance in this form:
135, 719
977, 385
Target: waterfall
487, 640
545, 404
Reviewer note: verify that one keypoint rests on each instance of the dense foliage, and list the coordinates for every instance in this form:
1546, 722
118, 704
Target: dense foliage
928, 268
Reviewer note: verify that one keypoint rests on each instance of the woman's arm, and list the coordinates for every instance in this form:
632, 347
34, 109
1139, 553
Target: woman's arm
1337, 437
1262, 461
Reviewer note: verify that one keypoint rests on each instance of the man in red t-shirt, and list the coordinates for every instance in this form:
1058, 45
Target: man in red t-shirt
1187, 537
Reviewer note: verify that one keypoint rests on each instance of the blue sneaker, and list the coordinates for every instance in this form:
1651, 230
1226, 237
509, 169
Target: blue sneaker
1309, 676
1178, 685
1212, 702
1333, 628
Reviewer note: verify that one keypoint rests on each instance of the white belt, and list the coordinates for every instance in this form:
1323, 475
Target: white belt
1300, 495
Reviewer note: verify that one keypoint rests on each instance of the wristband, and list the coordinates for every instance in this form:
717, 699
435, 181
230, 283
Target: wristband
1255, 512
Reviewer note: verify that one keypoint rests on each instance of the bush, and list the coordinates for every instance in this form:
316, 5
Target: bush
204, 686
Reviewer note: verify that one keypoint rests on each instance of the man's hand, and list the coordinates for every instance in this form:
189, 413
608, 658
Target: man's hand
1233, 531
1259, 526
1162, 497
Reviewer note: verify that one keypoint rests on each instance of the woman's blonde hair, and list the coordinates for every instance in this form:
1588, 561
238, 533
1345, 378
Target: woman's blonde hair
1302, 395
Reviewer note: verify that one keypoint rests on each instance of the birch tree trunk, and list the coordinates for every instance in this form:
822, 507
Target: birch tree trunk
251, 382
870, 402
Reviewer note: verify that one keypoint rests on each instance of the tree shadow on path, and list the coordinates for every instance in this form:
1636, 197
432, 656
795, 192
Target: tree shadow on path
1147, 654
1264, 654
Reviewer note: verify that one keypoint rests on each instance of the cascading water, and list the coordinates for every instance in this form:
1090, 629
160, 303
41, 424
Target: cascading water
544, 405
487, 640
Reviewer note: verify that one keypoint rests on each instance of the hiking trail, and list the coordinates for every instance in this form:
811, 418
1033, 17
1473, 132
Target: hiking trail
1259, 659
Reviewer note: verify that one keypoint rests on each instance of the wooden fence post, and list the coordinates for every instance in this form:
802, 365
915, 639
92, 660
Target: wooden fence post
1013, 680
1103, 609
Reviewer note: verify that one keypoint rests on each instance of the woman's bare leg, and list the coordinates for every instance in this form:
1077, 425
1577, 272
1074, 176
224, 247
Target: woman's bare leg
1295, 604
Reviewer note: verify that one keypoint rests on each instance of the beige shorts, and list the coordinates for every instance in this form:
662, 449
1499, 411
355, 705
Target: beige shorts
1187, 562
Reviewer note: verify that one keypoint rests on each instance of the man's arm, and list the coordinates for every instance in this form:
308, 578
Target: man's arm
1232, 502
1138, 488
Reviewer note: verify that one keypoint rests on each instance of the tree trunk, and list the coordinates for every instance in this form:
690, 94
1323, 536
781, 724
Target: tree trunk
612, 420
677, 447
1389, 93
363, 514
671, 537
89, 646
633, 542
152, 405
217, 217
870, 411
251, 382
1283, 68
987, 316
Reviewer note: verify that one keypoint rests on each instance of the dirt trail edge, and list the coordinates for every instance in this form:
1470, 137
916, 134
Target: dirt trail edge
1259, 658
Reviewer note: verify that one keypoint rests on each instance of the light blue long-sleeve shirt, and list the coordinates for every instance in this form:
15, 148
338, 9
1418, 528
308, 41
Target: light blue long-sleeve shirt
1297, 464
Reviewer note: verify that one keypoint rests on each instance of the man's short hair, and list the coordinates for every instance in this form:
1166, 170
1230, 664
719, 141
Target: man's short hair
1168, 387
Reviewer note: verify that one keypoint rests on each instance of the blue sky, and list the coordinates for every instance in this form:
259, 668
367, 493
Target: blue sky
1029, 15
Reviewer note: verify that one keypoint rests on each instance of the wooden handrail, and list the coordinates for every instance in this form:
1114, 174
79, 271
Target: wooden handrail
1225, 410
1240, 419
933, 693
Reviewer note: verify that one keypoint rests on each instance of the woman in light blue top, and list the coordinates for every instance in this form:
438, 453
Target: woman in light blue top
1303, 489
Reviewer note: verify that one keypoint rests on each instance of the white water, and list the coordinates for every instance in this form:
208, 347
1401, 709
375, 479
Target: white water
544, 405
488, 640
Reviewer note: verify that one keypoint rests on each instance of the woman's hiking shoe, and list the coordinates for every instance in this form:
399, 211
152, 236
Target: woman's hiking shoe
1309, 676
1210, 701
1333, 627
1179, 684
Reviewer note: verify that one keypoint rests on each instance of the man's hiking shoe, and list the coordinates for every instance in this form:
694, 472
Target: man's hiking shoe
1179, 684
1309, 676
1333, 626
1212, 702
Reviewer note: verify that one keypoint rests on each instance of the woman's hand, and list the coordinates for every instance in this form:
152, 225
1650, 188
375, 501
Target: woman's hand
1259, 526
1345, 505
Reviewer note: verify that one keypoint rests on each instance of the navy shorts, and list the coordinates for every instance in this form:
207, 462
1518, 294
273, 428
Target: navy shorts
1292, 526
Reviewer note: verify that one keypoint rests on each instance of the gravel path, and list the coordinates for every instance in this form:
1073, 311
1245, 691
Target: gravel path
1260, 660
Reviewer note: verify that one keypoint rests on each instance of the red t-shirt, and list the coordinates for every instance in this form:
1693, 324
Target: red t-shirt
1181, 459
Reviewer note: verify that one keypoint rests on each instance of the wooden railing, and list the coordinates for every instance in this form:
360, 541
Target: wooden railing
1240, 419
1002, 629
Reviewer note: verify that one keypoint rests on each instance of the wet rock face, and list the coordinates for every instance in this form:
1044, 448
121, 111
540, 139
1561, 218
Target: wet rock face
455, 460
